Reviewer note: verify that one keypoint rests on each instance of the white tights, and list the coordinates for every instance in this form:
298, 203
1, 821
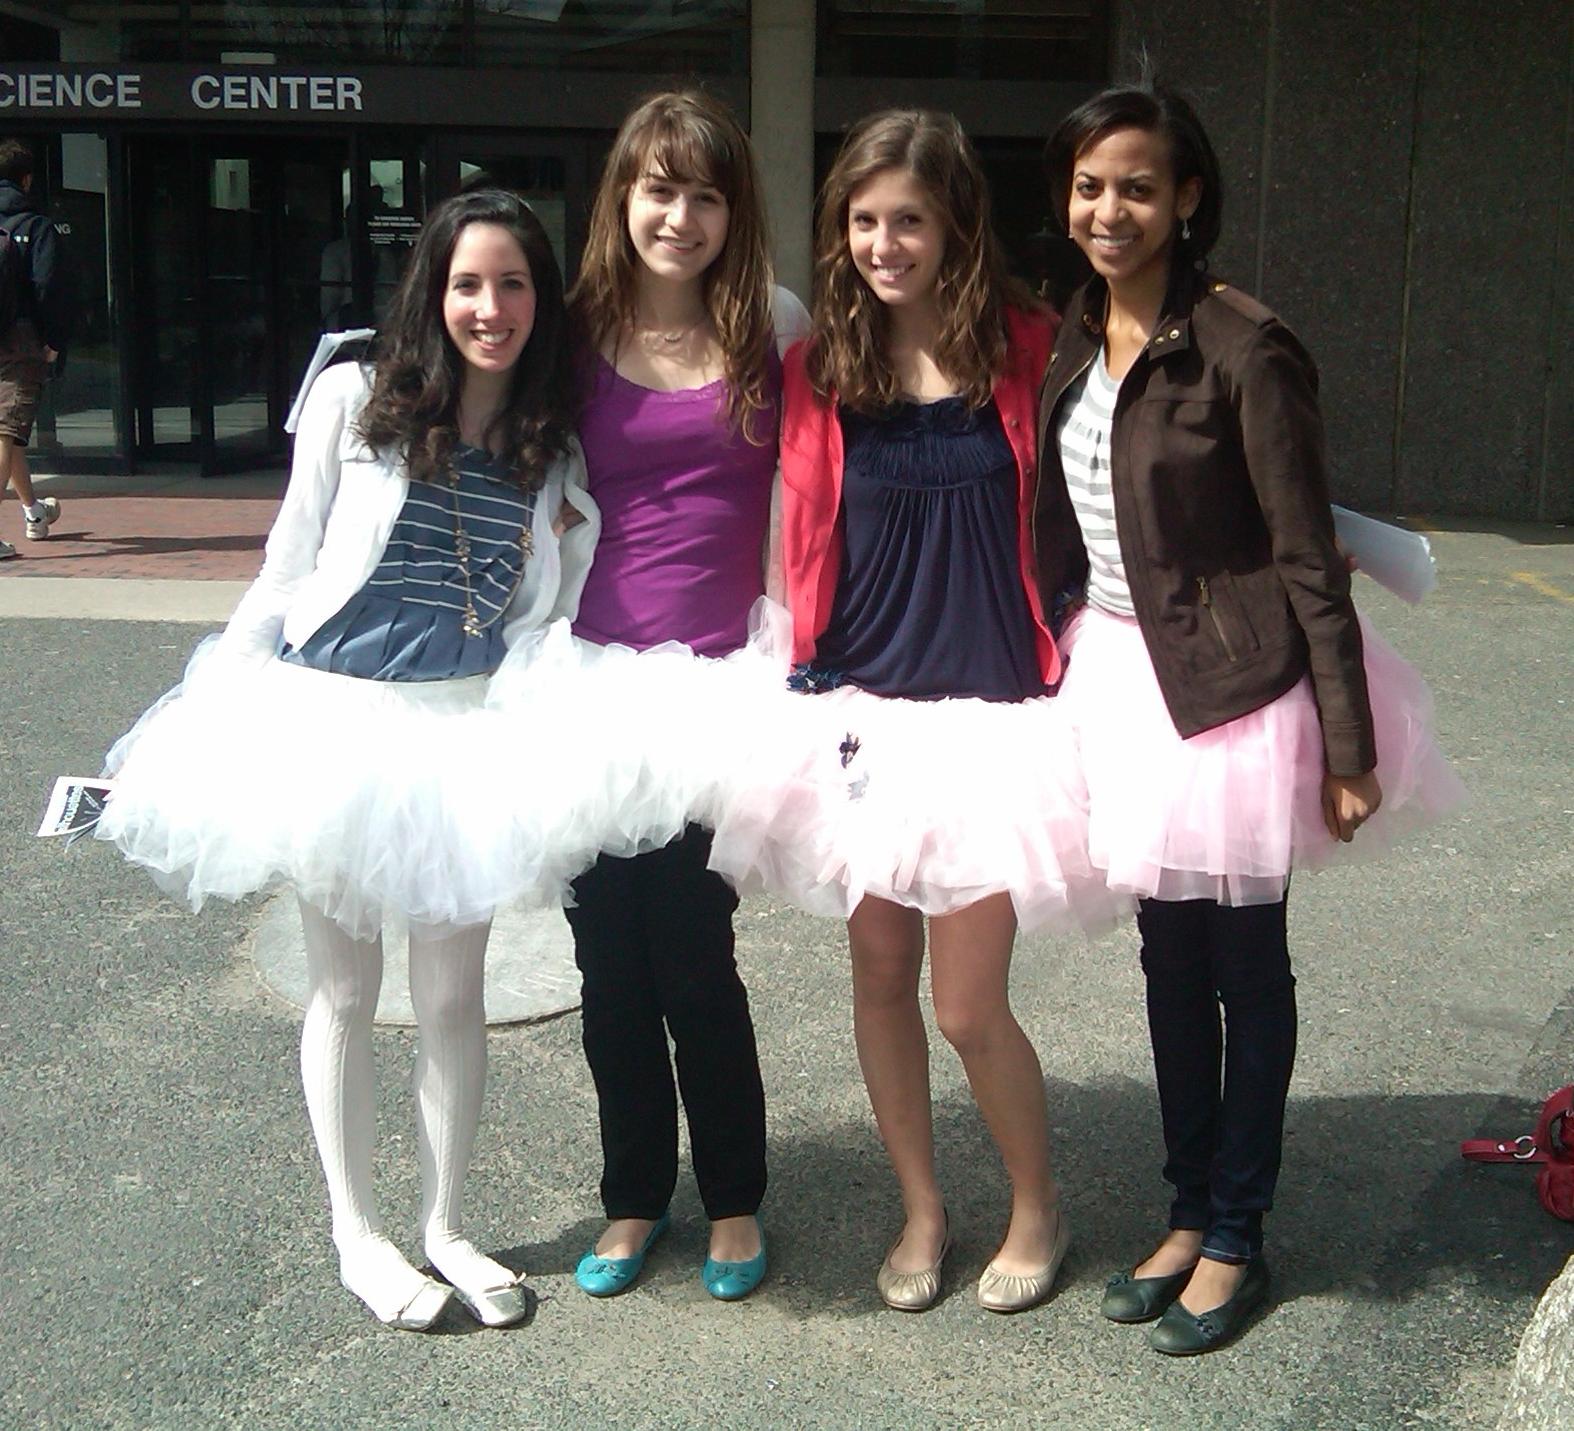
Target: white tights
446, 989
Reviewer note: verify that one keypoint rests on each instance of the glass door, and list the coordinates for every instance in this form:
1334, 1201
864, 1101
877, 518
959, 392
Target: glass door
239, 329
164, 332
239, 261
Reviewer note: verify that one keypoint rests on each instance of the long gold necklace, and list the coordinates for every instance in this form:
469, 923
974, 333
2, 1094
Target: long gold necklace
472, 623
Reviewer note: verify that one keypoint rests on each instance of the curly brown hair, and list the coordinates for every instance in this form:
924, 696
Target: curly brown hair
691, 138
848, 355
414, 404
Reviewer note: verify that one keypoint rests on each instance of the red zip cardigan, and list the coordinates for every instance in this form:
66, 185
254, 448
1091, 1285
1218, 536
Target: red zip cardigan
811, 458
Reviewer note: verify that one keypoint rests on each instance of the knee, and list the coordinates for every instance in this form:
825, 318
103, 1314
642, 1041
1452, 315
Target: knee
1266, 986
972, 1026
705, 998
448, 996
343, 1003
884, 979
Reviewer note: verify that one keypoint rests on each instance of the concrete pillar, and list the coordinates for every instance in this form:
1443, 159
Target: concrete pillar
781, 125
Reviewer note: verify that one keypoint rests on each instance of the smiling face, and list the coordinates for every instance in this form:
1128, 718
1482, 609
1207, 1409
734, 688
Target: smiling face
1124, 207
677, 228
896, 238
489, 303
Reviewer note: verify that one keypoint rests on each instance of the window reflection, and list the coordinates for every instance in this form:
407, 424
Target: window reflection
1040, 40
78, 416
648, 36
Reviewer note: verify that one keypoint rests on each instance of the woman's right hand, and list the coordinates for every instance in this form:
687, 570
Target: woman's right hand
1349, 801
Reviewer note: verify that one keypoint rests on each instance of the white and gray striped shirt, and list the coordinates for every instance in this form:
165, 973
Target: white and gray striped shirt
1087, 417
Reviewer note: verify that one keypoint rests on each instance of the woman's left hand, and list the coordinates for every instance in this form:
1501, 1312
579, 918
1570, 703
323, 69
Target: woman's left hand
1349, 801
568, 515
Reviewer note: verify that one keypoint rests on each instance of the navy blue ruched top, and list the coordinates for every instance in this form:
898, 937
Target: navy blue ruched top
407, 622
929, 602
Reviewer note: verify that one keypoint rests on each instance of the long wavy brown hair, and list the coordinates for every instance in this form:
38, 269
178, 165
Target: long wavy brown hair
691, 138
849, 353
414, 404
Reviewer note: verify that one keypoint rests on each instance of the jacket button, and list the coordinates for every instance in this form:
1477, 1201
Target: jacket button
1220, 287
1174, 332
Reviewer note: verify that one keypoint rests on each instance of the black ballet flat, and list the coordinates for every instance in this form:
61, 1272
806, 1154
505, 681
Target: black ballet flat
1179, 1333
1129, 1299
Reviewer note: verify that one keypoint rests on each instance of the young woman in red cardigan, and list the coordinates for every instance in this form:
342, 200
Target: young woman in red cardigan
915, 773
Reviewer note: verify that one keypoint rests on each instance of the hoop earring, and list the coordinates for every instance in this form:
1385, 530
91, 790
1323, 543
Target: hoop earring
1185, 231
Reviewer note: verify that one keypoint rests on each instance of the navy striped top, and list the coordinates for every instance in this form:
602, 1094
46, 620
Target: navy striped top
407, 622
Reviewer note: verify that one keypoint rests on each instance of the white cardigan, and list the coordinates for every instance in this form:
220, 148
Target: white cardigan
334, 523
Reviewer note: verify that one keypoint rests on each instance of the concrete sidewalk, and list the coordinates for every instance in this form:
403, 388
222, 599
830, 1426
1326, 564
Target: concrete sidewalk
167, 1260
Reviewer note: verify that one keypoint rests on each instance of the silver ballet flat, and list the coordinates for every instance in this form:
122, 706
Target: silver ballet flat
1010, 1292
911, 1291
505, 1305
421, 1312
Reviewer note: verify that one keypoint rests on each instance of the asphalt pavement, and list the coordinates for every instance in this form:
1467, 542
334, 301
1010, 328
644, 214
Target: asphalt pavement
165, 1259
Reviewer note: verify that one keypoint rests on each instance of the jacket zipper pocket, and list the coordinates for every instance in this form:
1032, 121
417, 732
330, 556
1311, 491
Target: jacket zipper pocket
1213, 616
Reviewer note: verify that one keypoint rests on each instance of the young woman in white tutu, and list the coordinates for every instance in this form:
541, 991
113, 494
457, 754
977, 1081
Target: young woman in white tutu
1234, 718
920, 771
334, 736
681, 384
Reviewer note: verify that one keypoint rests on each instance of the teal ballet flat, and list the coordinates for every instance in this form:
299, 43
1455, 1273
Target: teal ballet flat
600, 1276
732, 1281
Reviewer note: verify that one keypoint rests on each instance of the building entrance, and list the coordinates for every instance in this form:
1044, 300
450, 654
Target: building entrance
232, 267
242, 251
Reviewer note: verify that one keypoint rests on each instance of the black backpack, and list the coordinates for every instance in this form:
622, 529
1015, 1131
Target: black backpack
16, 282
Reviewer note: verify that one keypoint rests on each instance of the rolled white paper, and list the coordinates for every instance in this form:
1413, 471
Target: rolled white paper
1395, 559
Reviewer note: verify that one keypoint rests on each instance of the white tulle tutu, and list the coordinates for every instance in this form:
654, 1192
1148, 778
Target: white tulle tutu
649, 732
371, 797
933, 805
1226, 815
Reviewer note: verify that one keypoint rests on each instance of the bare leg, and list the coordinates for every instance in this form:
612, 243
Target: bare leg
1179, 1250
624, 1236
887, 946
970, 962
18, 474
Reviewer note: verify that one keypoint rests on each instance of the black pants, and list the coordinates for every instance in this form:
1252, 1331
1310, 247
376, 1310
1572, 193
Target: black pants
1221, 1092
653, 940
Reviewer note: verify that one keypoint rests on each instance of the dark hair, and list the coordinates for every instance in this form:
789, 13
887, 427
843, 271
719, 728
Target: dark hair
849, 354
414, 404
692, 138
16, 160
1153, 107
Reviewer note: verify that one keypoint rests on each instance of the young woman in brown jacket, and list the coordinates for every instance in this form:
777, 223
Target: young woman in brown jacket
1233, 717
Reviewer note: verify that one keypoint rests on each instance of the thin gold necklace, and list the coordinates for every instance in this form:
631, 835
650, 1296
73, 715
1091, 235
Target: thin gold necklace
471, 622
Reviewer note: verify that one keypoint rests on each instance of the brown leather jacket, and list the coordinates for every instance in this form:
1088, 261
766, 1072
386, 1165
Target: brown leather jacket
1221, 509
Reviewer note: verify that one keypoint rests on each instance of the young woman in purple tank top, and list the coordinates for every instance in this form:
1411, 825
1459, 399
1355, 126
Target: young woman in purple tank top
682, 380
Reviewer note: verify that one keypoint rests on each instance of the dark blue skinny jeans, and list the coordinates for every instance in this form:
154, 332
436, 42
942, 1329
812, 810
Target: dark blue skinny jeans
1222, 1090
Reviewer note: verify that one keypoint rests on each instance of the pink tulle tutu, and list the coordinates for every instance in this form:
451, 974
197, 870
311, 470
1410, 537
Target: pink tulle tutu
1226, 815
929, 804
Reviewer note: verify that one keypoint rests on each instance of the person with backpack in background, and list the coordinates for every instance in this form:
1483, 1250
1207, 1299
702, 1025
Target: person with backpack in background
37, 305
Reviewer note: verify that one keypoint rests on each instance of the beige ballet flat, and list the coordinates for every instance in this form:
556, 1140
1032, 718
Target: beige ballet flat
912, 1291
1008, 1292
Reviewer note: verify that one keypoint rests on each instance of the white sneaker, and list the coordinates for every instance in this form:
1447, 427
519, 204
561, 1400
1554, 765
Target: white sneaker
6, 550
37, 531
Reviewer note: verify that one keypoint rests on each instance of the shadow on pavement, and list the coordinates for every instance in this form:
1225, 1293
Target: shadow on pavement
1374, 1204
